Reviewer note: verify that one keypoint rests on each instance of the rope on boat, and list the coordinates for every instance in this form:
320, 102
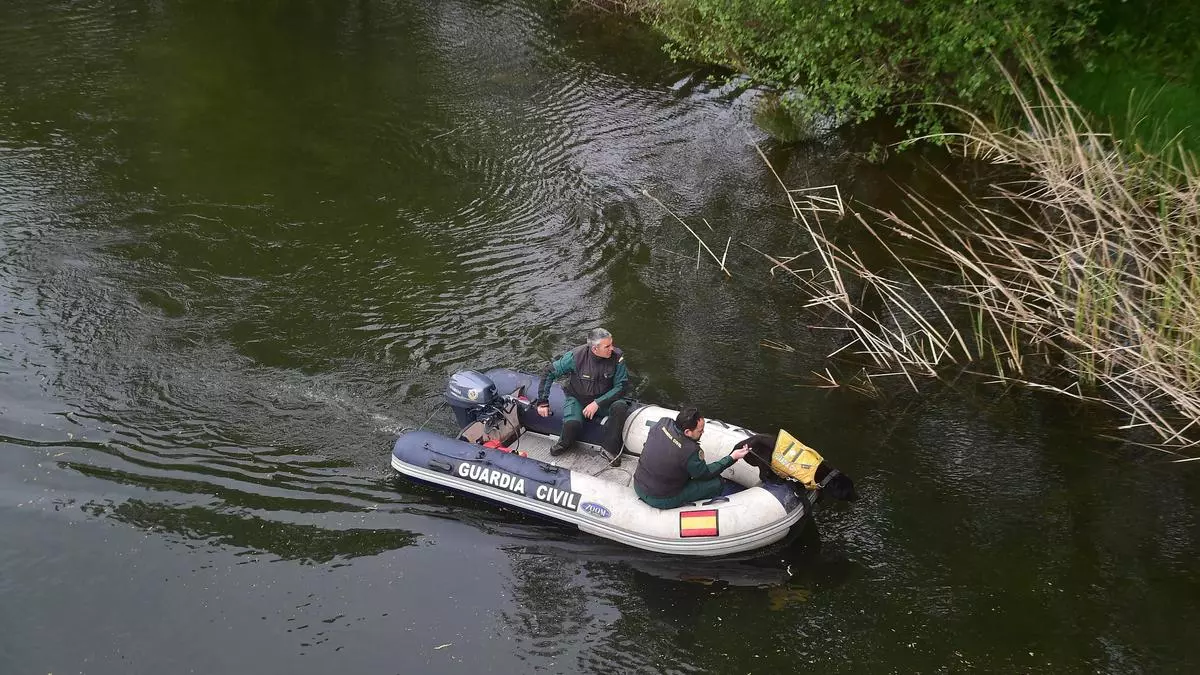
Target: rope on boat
436, 410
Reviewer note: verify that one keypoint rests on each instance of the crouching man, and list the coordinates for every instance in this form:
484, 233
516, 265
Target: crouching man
672, 470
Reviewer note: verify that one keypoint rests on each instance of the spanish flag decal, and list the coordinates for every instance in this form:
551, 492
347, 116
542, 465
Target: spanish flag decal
698, 523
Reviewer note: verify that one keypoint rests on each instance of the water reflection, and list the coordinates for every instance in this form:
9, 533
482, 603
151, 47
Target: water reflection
255, 535
596, 606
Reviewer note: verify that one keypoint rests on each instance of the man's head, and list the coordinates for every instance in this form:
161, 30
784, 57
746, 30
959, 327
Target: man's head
601, 342
690, 423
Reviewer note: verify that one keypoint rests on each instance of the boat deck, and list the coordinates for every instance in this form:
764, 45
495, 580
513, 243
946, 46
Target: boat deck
582, 458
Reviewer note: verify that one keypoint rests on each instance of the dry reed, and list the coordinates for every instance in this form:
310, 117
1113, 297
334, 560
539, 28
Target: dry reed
1089, 264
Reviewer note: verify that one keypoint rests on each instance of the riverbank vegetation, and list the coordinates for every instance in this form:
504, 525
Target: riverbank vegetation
852, 60
829, 63
1077, 272
1080, 275
1144, 79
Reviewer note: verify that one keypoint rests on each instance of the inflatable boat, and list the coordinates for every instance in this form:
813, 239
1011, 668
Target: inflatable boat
503, 454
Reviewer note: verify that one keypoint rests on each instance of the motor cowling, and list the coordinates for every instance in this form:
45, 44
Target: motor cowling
468, 392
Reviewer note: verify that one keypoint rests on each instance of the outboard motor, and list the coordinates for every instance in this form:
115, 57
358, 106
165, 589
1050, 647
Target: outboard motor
468, 392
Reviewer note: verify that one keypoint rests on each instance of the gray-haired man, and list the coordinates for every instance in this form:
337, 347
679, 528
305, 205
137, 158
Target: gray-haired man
598, 380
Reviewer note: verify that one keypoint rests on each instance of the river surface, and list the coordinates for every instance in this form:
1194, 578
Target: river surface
242, 245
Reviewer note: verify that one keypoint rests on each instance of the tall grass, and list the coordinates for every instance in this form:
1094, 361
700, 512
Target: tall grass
1087, 265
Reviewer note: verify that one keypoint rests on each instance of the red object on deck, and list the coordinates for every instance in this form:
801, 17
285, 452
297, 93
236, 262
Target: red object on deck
495, 445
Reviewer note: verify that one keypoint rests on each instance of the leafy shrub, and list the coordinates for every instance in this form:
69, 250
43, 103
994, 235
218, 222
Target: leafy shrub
852, 59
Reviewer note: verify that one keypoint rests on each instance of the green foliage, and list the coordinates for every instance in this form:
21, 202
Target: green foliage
1145, 83
851, 59
780, 121
1140, 103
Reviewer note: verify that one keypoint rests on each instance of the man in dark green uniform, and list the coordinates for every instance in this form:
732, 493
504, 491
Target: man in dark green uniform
672, 470
598, 380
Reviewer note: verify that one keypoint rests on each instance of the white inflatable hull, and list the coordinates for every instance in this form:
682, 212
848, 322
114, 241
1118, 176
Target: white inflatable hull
757, 516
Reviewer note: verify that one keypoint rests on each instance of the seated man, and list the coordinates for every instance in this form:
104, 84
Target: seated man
597, 382
672, 470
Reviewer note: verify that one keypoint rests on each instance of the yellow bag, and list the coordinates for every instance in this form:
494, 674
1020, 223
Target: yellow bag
793, 459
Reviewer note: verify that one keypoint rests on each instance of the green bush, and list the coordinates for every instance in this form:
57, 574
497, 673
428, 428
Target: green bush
1144, 83
851, 59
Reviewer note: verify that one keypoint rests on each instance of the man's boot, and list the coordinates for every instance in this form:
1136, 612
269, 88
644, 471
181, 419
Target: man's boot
570, 432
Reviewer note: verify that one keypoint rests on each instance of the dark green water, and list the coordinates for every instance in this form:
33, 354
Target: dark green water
242, 244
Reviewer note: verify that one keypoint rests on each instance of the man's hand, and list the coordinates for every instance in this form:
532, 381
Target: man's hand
590, 410
543, 409
740, 452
